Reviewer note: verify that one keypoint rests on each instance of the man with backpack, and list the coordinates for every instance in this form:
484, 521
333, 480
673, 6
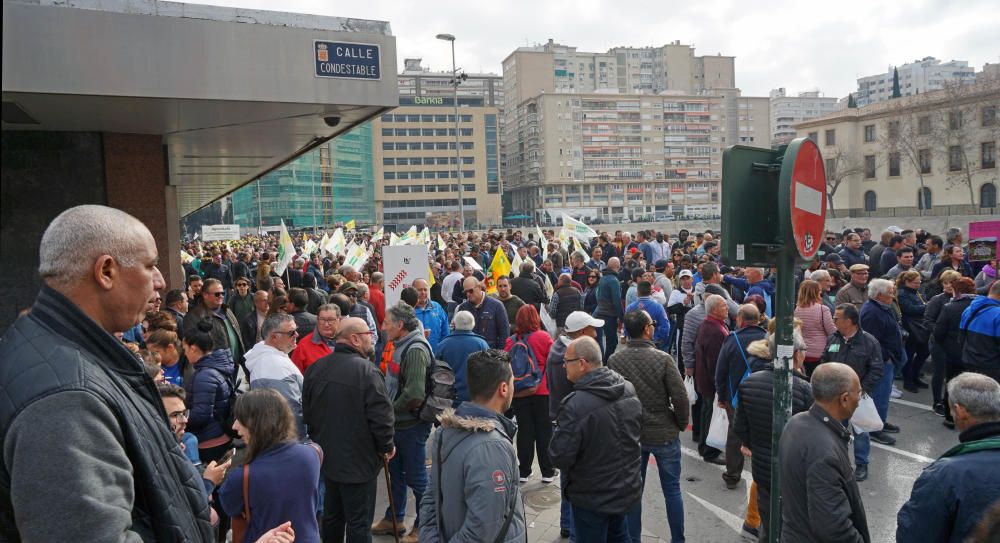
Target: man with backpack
473, 493
408, 468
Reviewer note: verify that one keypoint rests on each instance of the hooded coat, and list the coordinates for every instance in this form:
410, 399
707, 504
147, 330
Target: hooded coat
271, 368
208, 394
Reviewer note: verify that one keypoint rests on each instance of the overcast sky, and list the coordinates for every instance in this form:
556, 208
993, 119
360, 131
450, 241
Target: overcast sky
797, 45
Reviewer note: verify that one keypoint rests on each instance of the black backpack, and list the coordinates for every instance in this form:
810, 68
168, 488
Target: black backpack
439, 386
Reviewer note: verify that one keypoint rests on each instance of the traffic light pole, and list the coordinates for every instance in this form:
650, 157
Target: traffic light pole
784, 313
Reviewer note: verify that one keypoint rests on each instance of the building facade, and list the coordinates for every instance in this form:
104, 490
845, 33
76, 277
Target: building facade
333, 183
933, 153
926, 75
788, 111
417, 167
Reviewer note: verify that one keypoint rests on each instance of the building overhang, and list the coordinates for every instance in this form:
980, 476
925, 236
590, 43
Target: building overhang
234, 93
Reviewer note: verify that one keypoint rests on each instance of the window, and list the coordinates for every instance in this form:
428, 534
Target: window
988, 195
893, 129
924, 198
988, 154
390, 189
954, 158
924, 157
924, 125
871, 201
893, 164
869, 166
989, 115
831, 137
388, 175
814, 136
869, 133
954, 120
386, 131
388, 161
465, 118
831, 168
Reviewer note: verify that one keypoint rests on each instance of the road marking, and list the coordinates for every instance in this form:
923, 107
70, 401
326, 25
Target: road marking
745, 475
912, 404
915, 456
731, 520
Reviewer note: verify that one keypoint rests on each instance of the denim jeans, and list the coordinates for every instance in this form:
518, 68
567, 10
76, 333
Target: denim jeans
594, 527
881, 396
409, 468
565, 510
668, 463
610, 337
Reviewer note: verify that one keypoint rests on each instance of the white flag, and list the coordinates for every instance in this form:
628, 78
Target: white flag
441, 244
544, 243
286, 250
323, 241
516, 263
394, 240
577, 229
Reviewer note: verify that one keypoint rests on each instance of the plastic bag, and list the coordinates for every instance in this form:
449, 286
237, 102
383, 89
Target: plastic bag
548, 322
866, 418
718, 430
691, 392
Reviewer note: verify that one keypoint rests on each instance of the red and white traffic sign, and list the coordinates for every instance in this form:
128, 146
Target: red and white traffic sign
808, 195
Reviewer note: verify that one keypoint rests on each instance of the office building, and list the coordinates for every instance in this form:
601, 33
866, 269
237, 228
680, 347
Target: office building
788, 111
932, 153
921, 76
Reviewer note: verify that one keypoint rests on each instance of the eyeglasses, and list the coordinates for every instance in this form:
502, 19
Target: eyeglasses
366, 333
328, 321
652, 323
290, 333
180, 414
831, 239
571, 360
219, 294
470, 290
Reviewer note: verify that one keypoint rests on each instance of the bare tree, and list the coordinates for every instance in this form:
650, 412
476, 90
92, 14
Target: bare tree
956, 135
909, 135
841, 165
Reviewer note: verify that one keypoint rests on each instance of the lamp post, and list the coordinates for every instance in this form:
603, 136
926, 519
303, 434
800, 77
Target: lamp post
458, 160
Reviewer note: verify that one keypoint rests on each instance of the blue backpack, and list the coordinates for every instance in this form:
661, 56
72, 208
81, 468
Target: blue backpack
527, 374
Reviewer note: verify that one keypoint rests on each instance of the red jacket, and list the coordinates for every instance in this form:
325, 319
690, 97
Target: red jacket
377, 299
707, 345
540, 342
308, 351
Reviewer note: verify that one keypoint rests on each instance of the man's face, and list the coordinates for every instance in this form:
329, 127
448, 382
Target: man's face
182, 305
213, 296
327, 324
598, 253
647, 332
852, 398
842, 323
284, 338
906, 260
473, 291
910, 240
866, 235
392, 329
217, 258
278, 282
503, 288
423, 291
573, 365
177, 414
131, 289
859, 278
824, 284
854, 242
260, 301
242, 287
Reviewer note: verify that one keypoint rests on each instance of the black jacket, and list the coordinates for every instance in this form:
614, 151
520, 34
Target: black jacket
947, 329
862, 353
569, 300
754, 412
526, 288
933, 309
596, 442
304, 321
248, 331
733, 362
347, 411
220, 334
73, 399
820, 498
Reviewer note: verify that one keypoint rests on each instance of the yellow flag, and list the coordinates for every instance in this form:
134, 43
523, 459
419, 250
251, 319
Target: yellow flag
498, 268
430, 275
350, 225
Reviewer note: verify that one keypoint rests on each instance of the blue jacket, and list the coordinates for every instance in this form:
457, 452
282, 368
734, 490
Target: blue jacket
764, 288
853, 257
435, 320
455, 350
952, 494
662, 334
877, 319
981, 351
609, 297
208, 394
491, 320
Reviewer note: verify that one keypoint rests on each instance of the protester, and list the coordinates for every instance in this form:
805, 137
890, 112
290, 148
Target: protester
912, 308
167, 346
208, 390
938, 356
511, 303
953, 258
565, 300
855, 292
532, 343
526, 287
490, 313
711, 335
321, 341
877, 318
645, 302
456, 348
432, 316
176, 303
271, 368
948, 333
240, 299
609, 306
817, 322
225, 328
981, 322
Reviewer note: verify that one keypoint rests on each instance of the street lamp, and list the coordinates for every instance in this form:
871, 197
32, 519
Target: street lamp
458, 160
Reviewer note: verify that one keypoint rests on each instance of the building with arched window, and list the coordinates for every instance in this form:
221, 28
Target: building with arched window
929, 154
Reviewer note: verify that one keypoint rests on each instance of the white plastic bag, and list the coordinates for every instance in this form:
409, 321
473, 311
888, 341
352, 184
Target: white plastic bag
866, 418
689, 387
718, 430
548, 322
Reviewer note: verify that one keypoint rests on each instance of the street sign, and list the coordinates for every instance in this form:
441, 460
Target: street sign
220, 232
750, 229
347, 60
806, 195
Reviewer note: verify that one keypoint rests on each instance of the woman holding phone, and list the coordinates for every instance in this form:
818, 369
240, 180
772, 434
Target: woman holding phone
282, 473
208, 391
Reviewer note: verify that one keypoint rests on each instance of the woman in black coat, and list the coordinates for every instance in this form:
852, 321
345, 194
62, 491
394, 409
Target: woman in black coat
912, 307
931, 313
947, 332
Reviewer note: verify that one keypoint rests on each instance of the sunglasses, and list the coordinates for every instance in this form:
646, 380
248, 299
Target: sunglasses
470, 291
216, 294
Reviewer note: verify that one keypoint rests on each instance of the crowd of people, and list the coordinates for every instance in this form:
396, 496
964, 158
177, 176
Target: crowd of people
268, 404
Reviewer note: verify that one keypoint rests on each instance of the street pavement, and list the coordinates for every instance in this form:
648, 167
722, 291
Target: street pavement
714, 514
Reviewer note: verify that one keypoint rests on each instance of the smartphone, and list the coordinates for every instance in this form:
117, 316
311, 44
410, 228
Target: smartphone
226, 457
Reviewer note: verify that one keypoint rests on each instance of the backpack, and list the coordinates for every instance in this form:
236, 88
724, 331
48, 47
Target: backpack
439, 387
527, 375
228, 419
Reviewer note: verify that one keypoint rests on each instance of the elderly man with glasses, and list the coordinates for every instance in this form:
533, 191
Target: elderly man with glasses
321, 341
270, 366
855, 292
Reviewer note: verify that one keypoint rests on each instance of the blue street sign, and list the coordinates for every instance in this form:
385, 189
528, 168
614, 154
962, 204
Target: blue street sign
347, 60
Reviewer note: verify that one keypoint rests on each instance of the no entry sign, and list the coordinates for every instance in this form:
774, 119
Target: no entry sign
807, 195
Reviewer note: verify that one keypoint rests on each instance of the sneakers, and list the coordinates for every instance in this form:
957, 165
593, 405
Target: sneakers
549, 479
751, 530
896, 393
882, 437
384, 527
522, 480
412, 537
861, 472
939, 409
890, 428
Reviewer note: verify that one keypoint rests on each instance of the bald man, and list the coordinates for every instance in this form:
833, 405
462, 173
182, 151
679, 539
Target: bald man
99, 268
490, 313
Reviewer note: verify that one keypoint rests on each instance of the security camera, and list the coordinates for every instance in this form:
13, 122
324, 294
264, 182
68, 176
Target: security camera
331, 121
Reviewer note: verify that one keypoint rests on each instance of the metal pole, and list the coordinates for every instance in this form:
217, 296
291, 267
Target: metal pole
784, 312
458, 145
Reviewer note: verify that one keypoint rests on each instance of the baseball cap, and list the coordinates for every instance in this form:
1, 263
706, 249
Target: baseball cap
834, 257
858, 268
895, 229
578, 320
660, 265
348, 286
685, 273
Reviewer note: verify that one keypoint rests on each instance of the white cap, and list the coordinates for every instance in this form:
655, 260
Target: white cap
578, 320
895, 229
685, 273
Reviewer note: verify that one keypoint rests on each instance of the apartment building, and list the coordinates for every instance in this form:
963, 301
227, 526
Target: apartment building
418, 80
921, 76
788, 111
418, 169
610, 156
932, 153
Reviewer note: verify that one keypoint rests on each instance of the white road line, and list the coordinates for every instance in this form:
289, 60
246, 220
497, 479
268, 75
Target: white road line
731, 520
915, 456
925, 407
745, 475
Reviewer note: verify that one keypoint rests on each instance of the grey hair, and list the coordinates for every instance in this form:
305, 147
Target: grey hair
579, 254
80, 235
819, 275
978, 394
405, 315
463, 320
953, 233
878, 287
362, 289
587, 348
830, 380
328, 307
713, 301
272, 323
